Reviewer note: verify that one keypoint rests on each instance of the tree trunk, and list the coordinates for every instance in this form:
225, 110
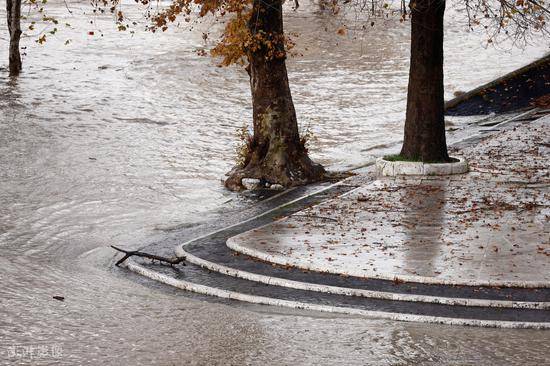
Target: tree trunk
275, 153
13, 11
425, 121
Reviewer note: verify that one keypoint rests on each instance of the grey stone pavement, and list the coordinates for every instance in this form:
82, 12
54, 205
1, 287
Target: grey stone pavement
487, 227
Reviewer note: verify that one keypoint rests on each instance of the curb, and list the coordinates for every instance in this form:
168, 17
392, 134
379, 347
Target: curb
211, 291
281, 260
298, 285
382, 295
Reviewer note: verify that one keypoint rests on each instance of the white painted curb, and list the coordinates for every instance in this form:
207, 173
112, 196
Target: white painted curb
211, 291
282, 282
305, 265
275, 281
387, 168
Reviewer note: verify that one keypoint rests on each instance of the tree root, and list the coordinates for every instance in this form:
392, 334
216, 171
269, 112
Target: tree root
130, 253
301, 172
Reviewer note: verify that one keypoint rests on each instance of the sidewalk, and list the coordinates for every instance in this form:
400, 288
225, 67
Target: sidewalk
487, 227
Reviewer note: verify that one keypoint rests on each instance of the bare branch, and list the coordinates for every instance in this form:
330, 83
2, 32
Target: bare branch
130, 253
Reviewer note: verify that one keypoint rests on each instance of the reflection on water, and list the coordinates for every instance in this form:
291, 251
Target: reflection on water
113, 139
423, 227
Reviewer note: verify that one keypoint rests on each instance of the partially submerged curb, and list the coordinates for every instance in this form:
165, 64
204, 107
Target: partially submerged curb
262, 300
347, 291
396, 316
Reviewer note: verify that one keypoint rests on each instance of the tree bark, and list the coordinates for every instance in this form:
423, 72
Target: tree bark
275, 154
425, 120
13, 11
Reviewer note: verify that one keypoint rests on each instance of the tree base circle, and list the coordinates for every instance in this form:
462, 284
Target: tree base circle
388, 168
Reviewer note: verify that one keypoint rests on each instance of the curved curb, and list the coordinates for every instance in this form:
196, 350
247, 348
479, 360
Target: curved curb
405, 278
211, 291
283, 261
336, 290
298, 285
387, 168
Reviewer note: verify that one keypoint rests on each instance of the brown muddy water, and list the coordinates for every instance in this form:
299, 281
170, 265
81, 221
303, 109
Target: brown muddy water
118, 139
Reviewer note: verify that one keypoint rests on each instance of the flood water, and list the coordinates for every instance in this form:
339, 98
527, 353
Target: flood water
120, 138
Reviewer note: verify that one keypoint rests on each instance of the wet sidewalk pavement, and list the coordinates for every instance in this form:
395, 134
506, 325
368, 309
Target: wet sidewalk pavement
487, 227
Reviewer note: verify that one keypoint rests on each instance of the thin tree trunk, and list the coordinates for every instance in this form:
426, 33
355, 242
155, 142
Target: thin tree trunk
425, 120
13, 11
276, 154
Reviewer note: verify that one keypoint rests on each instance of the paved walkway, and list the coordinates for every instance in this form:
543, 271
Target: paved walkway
487, 227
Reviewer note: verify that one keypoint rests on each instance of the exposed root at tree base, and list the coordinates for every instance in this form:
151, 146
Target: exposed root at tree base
302, 173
